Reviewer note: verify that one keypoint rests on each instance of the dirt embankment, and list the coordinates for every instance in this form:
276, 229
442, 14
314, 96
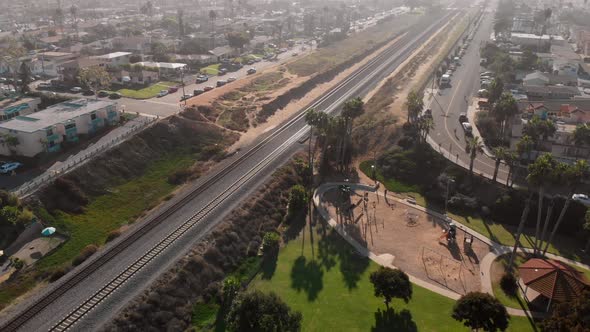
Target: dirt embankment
167, 304
177, 134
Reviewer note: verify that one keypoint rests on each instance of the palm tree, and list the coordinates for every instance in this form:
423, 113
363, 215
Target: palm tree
525, 146
523, 218
500, 154
587, 228
74, 13
511, 160
504, 109
579, 170
424, 126
582, 135
212, 18
540, 173
415, 105
352, 109
474, 147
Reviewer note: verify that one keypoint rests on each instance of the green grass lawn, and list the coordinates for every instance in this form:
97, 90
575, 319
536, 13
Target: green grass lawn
320, 276
148, 92
497, 232
211, 69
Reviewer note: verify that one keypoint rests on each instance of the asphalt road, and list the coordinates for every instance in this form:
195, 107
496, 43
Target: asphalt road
452, 101
275, 152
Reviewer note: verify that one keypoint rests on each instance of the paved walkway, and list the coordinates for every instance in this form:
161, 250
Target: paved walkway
496, 249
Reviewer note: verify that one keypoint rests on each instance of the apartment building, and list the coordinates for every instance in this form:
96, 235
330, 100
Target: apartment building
114, 59
59, 125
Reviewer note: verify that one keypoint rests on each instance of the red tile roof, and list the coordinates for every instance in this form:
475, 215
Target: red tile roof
555, 280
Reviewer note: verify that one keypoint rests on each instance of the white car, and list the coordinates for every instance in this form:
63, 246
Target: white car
467, 128
581, 198
9, 167
76, 89
162, 93
231, 79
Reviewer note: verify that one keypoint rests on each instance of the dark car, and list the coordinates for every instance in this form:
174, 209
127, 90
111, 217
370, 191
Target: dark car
222, 71
197, 92
208, 88
115, 95
221, 83
463, 117
88, 92
172, 89
103, 94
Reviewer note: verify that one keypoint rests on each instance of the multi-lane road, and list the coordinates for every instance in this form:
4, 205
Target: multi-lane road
447, 136
99, 288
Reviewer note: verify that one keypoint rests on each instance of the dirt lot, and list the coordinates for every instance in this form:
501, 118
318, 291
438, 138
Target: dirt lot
414, 238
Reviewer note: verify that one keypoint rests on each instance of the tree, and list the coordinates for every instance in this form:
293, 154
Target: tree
579, 170
297, 201
94, 78
540, 173
474, 147
9, 141
10, 56
135, 58
270, 242
539, 130
237, 39
230, 289
582, 135
24, 74
414, 105
504, 108
424, 126
570, 316
481, 311
257, 311
511, 160
180, 19
586, 227
495, 91
352, 109
74, 13
391, 283
499, 155
525, 146
148, 11
160, 51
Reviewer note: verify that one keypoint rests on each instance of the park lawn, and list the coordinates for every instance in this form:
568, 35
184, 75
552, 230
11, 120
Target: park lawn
497, 232
211, 69
148, 92
329, 284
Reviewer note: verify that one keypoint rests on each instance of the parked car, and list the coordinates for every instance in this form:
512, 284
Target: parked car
197, 92
103, 94
162, 93
467, 128
185, 97
482, 92
76, 89
172, 89
463, 118
251, 71
221, 83
231, 79
44, 86
208, 88
222, 71
202, 78
115, 95
3, 79
581, 198
9, 167
294, 54
88, 92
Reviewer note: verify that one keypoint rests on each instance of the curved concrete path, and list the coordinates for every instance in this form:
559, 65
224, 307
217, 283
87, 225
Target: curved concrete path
485, 265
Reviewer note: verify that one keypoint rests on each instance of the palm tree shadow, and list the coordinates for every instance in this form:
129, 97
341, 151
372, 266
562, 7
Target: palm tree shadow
389, 320
307, 277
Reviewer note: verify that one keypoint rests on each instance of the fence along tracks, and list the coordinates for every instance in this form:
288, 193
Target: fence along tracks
373, 66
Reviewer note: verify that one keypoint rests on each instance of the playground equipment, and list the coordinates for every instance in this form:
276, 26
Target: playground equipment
449, 234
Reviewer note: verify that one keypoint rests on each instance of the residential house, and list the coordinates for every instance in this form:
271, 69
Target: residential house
583, 41
61, 124
223, 52
536, 78
169, 69
132, 44
68, 71
566, 67
537, 92
10, 108
115, 59
533, 40
46, 63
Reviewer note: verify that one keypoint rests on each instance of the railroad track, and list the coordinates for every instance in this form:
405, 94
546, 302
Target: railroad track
110, 287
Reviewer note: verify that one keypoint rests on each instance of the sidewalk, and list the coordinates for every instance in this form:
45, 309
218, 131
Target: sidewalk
496, 249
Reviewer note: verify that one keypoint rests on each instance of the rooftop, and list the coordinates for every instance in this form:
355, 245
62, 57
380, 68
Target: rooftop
165, 65
113, 55
555, 280
56, 114
51, 54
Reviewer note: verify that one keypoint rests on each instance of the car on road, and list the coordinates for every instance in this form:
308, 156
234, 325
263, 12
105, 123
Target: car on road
486, 73
76, 89
44, 86
463, 118
294, 54
231, 79
172, 89
208, 88
482, 92
467, 128
581, 198
103, 94
162, 93
222, 71
88, 92
202, 78
251, 71
3, 79
7, 168
221, 83
185, 97
197, 92
115, 95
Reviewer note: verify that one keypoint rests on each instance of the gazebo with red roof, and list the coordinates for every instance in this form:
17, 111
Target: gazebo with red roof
555, 280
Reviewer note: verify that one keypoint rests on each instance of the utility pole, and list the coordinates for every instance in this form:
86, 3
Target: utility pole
182, 80
449, 181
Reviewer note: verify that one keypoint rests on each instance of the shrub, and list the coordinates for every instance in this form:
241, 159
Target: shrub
71, 190
181, 176
88, 251
113, 235
297, 201
270, 242
17, 263
508, 284
58, 273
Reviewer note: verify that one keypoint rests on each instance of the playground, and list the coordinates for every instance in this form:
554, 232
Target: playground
423, 245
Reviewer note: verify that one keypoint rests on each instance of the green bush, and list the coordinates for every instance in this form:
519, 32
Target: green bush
508, 284
113, 235
297, 201
58, 273
270, 242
